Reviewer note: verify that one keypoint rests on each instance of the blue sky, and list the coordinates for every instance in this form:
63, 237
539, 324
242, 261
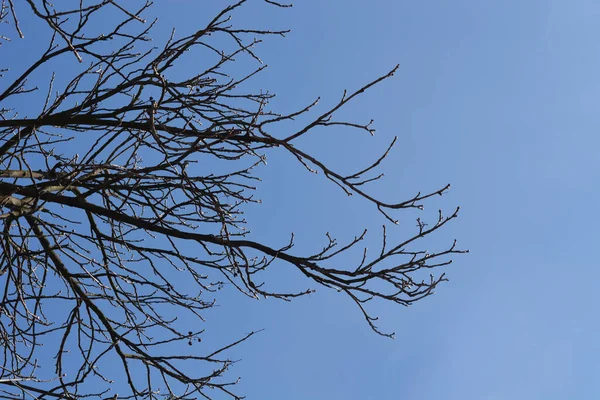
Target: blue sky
498, 98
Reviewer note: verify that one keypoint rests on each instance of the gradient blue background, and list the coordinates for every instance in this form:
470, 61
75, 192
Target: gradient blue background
498, 98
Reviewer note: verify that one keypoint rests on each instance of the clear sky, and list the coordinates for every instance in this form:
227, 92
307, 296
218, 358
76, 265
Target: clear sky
498, 98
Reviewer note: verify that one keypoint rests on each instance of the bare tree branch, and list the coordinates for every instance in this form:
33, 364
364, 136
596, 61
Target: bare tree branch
130, 179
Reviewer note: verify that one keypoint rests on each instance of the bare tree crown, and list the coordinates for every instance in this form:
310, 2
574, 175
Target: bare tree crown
106, 178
